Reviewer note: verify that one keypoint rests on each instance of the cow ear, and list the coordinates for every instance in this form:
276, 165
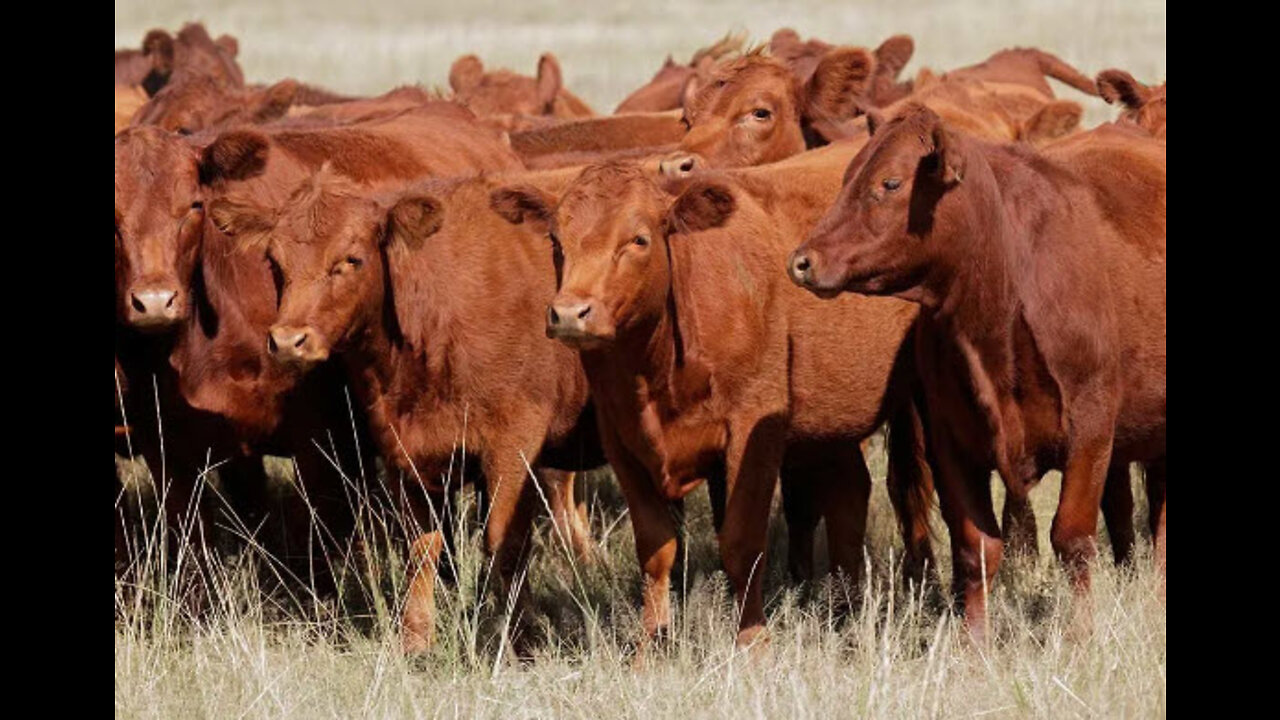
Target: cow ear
413, 219
841, 75
950, 161
523, 203
549, 82
1051, 121
274, 102
893, 55
1119, 85
234, 155
465, 73
702, 206
158, 47
229, 45
248, 224
875, 120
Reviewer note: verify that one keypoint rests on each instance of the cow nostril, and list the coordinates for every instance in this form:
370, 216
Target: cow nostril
302, 338
552, 317
687, 165
172, 297
584, 312
802, 264
271, 344
137, 304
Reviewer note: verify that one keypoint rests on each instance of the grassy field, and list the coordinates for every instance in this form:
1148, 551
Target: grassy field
265, 648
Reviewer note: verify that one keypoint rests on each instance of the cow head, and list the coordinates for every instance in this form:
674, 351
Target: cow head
609, 236
675, 84
888, 225
1143, 106
202, 102
325, 245
159, 214
502, 92
753, 110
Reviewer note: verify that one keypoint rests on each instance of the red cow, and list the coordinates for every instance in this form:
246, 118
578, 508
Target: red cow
703, 364
1041, 278
502, 97
673, 83
433, 305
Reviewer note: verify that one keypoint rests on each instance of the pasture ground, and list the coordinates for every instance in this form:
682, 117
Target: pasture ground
263, 648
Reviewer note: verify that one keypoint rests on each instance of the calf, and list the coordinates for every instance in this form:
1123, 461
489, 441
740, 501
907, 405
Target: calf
433, 306
1041, 278
702, 364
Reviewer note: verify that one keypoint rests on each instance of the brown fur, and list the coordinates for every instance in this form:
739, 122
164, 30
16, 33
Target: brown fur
505, 93
1144, 107
434, 306
1041, 278
704, 363
601, 134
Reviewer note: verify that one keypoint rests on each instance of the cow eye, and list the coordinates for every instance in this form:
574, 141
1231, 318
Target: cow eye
684, 120
761, 114
641, 241
184, 131
197, 205
354, 261
892, 183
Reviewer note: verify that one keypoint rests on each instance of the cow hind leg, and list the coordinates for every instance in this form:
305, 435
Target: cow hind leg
800, 507
844, 490
910, 484
1018, 523
508, 536
1117, 511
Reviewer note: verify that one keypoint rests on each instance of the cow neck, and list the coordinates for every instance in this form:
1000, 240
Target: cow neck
631, 378
978, 304
393, 378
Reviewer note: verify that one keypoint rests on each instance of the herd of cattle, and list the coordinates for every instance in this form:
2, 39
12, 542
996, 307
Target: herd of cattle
760, 258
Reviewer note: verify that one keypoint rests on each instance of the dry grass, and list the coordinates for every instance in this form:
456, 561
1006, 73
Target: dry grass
267, 648
264, 648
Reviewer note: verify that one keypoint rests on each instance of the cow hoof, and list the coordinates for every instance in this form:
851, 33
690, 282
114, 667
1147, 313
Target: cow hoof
754, 638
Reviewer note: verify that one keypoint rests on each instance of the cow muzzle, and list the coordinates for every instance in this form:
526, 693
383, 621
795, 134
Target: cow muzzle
155, 308
800, 268
679, 165
294, 345
578, 323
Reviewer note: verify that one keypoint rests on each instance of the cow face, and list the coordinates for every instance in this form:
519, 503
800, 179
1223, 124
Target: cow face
324, 246
879, 237
1143, 106
751, 110
608, 237
159, 215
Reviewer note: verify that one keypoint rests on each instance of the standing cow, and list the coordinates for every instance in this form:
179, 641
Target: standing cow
1041, 279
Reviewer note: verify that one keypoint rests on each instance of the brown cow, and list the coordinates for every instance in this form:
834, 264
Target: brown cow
433, 305
891, 57
502, 96
1143, 106
217, 368
754, 110
697, 379
1041, 278
192, 53
673, 83
758, 114
201, 102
